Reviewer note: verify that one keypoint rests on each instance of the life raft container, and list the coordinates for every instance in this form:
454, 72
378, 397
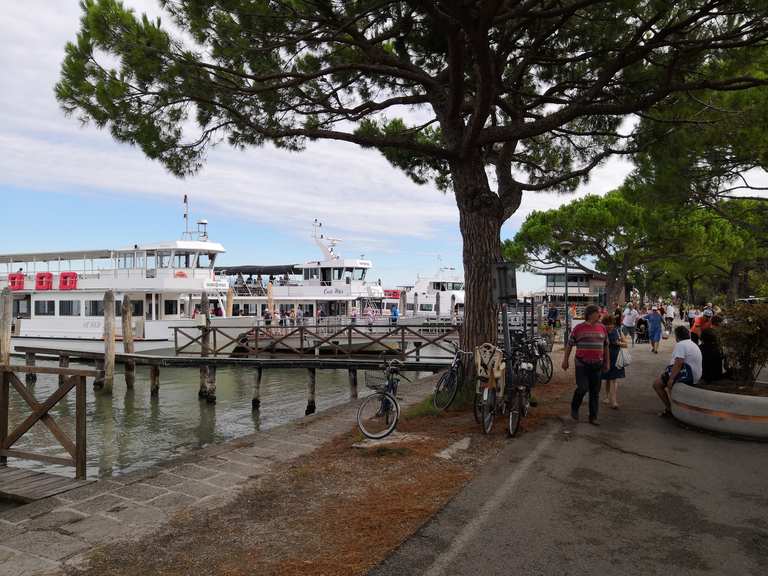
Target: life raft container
68, 281
43, 281
16, 281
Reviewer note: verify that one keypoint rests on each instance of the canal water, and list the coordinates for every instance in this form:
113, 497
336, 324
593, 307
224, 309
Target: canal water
129, 430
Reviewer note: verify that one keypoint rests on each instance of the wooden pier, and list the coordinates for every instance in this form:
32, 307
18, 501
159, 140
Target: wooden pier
24, 486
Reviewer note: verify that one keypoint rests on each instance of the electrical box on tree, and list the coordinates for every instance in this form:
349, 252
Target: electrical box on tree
505, 282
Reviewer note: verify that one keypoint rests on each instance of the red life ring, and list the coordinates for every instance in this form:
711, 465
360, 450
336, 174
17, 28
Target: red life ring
16, 281
68, 281
43, 281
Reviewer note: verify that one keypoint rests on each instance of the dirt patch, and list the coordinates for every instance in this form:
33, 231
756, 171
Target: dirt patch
339, 511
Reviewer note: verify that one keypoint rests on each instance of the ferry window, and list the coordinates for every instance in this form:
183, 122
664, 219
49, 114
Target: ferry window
348, 273
181, 260
94, 308
171, 307
409, 306
205, 260
125, 261
358, 274
137, 308
69, 308
311, 273
164, 259
151, 260
337, 273
458, 286
45, 308
20, 308
326, 275
425, 307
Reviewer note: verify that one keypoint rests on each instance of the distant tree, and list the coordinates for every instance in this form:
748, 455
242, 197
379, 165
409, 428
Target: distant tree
490, 98
610, 234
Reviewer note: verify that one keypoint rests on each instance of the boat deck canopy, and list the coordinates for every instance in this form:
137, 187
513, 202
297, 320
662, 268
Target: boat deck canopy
273, 270
55, 256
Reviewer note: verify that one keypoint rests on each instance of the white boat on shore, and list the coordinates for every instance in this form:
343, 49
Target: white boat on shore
438, 296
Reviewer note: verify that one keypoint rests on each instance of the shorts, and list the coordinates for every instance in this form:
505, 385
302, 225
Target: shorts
685, 375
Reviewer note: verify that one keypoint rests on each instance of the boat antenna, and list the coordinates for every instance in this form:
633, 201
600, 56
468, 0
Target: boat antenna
187, 235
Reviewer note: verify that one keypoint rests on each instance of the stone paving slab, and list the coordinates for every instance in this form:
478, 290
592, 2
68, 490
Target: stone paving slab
43, 537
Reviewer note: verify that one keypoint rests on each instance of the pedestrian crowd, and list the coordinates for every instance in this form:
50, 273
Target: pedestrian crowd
601, 344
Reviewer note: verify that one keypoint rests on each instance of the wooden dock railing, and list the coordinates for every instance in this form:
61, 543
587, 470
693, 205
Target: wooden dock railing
40, 412
334, 339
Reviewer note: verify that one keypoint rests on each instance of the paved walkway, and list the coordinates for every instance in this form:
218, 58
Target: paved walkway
640, 495
45, 536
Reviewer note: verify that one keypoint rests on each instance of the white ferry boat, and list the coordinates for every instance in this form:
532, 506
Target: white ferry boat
59, 295
438, 296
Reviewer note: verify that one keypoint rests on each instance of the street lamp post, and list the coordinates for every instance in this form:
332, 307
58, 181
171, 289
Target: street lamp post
565, 250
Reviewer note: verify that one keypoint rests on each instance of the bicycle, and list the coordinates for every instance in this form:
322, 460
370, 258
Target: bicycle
523, 374
448, 385
379, 412
490, 368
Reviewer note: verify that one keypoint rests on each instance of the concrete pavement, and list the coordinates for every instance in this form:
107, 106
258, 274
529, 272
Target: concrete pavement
639, 495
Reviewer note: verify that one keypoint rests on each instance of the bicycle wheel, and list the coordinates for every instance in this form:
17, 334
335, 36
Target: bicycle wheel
378, 414
476, 407
446, 390
515, 413
488, 409
544, 369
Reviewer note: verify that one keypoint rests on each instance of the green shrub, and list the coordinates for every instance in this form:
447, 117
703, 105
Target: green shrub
744, 336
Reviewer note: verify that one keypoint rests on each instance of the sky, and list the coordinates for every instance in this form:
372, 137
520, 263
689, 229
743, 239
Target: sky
64, 186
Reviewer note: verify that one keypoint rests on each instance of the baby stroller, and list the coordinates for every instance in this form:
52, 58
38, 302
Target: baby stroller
641, 332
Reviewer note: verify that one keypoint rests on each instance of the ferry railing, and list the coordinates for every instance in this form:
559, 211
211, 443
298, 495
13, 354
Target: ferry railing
70, 379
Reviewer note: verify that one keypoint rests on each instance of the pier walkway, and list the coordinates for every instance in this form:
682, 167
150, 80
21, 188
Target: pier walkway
46, 536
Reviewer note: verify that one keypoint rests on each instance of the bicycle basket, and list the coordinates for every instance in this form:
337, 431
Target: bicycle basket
375, 379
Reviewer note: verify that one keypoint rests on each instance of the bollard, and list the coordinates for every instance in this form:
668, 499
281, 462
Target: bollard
353, 383
417, 345
256, 402
30, 377
311, 389
98, 382
154, 381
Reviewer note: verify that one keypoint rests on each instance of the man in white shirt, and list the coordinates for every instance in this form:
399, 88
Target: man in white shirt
686, 367
628, 322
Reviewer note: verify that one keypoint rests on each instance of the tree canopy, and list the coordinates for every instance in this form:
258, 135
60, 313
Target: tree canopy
490, 97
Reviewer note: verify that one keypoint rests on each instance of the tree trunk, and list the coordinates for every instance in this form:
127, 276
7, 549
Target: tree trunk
480, 219
614, 291
734, 281
691, 294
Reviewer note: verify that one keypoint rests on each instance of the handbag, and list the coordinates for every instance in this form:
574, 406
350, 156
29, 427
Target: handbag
624, 358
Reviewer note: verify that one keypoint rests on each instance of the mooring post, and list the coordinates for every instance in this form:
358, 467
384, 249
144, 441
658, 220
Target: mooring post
128, 348
109, 340
256, 402
353, 383
6, 325
210, 393
154, 380
311, 391
417, 345
98, 382
30, 360
63, 363
205, 343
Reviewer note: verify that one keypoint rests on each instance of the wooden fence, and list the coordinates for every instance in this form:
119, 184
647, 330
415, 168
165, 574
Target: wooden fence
40, 412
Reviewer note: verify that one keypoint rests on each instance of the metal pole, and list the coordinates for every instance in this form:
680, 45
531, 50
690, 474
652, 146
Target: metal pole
567, 316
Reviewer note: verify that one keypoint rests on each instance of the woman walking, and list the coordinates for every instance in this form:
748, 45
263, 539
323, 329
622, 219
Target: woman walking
615, 343
655, 323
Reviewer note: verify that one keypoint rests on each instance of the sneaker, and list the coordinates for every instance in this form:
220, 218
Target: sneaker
575, 415
594, 422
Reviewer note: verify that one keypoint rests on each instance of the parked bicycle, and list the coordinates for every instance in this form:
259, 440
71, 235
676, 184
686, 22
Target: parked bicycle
523, 374
379, 412
450, 382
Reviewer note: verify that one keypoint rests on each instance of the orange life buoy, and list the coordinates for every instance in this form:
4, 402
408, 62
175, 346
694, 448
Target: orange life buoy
68, 281
43, 281
16, 281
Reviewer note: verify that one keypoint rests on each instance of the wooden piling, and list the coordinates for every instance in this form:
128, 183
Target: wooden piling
63, 363
311, 392
30, 360
109, 340
128, 347
256, 402
418, 345
205, 343
353, 383
154, 381
415, 303
6, 325
210, 393
98, 382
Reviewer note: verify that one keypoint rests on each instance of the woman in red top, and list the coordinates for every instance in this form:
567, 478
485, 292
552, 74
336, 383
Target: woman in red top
590, 339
